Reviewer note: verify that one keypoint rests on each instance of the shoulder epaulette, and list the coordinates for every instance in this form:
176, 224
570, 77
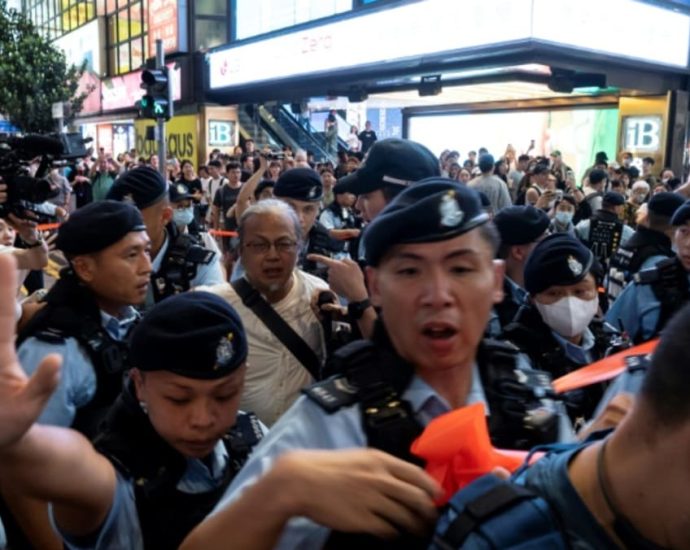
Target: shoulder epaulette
332, 394
51, 336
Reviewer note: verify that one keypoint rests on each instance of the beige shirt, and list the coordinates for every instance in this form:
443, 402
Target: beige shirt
274, 376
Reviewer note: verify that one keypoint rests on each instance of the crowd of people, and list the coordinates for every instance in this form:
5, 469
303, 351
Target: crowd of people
242, 355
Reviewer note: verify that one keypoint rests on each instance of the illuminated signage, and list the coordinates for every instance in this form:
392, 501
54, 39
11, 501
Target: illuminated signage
163, 24
123, 91
642, 133
221, 133
412, 31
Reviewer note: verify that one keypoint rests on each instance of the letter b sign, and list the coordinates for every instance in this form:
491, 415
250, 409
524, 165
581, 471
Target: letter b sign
642, 133
221, 133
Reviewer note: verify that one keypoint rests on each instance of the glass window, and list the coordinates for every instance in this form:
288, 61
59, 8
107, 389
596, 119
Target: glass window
211, 7
210, 33
54, 18
256, 17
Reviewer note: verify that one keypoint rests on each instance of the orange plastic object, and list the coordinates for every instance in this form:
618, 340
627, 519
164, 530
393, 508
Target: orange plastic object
604, 369
222, 233
457, 449
47, 226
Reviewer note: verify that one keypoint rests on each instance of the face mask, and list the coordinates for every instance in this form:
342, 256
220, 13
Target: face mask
183, 217
563, 217
568, 316
639, 199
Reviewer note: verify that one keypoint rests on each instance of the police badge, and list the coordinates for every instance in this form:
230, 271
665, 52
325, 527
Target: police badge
451, 215
182, 189
313, 192
574, 266
224, 352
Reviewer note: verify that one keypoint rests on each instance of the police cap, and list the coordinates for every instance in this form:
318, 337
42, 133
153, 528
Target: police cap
665, 204
612, 198
559, 259
681, 215
391, 161
302, 184
435, 209
143, 186
96, 226
193, 334
179, 192
521, 224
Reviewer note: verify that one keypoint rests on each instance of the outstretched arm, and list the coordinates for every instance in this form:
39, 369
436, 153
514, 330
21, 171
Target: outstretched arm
246, 194
362, 490
53, 464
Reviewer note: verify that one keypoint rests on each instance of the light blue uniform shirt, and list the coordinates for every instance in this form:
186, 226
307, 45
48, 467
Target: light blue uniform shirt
77, 384
582, 354
582, 231
121, 528
307, 426
206, 274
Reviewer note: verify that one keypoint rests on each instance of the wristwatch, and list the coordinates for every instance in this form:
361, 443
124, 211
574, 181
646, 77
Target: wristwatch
355, 310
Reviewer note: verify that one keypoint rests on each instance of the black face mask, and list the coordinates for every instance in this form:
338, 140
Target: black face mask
625, 530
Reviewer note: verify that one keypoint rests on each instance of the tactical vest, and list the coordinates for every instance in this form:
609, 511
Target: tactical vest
605, 233
71, 312
374, 377
319, 242
166, 514
669, 282
534, 338
180, 264
628, 259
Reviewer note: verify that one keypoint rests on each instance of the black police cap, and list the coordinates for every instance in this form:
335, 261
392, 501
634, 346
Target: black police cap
434, 209
681, 215
665, 204
179, 192
391, 161
142, 186
96, 226
193, 334
521, 224
302, 184
613, 199
559, 259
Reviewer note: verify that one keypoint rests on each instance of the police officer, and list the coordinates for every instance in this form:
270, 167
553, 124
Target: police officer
650, 243
520, 229
170, 445
620, 489
86, 320
559, 329
649, 301
604, 231
302, 189
179, 261
433, 274
390, 167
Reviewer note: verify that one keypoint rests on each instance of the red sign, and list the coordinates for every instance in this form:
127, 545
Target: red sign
163, 23
122, 92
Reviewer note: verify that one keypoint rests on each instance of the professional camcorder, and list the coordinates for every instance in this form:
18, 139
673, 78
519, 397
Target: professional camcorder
26, 192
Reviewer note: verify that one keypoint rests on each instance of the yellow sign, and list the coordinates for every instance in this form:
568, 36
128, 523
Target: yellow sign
181, 137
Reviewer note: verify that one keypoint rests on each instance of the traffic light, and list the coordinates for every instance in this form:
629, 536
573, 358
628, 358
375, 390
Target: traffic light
157, 102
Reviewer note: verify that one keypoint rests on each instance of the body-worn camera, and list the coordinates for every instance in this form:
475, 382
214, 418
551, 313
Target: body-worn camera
26, 191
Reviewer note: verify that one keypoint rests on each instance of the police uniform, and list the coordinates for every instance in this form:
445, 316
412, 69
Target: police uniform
182, 261
654, 295
645, 248
604, 232
561, 260
91, 342
160, 494
517, 225
378, 400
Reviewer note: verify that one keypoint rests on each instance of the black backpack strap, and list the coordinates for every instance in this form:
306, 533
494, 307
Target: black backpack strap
277, 325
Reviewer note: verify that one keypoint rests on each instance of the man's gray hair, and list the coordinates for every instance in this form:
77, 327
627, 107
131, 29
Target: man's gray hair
270, 206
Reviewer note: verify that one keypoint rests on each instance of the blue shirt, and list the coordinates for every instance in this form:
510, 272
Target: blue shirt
307, 426
77, 384
121, 528
582, 354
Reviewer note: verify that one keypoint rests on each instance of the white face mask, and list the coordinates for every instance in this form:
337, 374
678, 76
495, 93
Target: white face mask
564, 217
183, 216
568, 316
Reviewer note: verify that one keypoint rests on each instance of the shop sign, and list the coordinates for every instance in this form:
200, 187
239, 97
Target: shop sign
123, 92
221, 133
642, 133
163, 24
181, 134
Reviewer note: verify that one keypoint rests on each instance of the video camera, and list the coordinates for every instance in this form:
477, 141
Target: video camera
26, 191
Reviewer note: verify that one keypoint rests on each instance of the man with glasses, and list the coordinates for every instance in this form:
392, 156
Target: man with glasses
270, 237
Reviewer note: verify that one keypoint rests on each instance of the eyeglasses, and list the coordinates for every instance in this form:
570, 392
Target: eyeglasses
282, 247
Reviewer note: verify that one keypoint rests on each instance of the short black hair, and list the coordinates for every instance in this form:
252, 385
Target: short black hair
649, 160
232, 165
216, 163
523, 158
667, 385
